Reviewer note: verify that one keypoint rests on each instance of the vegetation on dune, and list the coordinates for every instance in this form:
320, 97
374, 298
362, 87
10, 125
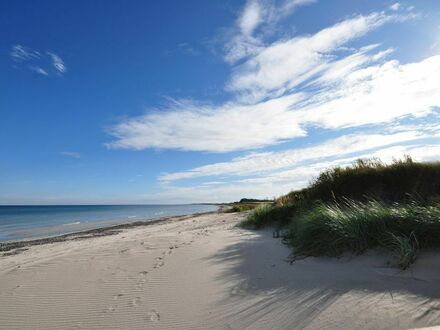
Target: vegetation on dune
246, 204
372, 179
261, 216
271, 215
241, 207
332, 229
355, 208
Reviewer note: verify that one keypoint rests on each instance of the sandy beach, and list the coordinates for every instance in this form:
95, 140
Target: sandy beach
203, 272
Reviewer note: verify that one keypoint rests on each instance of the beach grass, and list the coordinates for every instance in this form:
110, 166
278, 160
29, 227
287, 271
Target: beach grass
356, 208
332, 229
242, 207
260, 217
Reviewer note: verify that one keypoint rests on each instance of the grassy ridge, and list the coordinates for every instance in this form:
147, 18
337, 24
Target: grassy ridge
371, 179
241, 207
363, 206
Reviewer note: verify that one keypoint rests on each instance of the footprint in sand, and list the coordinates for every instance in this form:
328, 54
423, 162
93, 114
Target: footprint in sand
153, 316
144, 273
158, 264
110, 309
136, 301
117, 296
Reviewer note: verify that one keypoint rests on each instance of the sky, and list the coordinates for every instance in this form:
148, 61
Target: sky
128, 102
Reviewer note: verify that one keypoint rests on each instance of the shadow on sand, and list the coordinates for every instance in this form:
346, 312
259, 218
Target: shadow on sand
266, 290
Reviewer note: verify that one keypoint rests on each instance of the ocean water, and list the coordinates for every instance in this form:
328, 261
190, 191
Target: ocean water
21, 222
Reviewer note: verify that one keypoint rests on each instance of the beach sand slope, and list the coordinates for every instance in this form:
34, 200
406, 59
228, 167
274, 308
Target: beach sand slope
202, 272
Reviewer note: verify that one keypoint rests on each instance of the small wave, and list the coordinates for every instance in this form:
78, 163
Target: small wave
159, 213
72, 223
131, 216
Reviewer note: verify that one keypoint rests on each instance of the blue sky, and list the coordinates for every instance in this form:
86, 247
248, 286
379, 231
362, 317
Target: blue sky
208, 101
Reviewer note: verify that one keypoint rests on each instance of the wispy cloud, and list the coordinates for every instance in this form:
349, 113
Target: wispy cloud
39, 70
21, 53
271, 161
285, 64
359, 92
43, 63
257, 14
395, 6
279, 182
285, 90
57, 62
73, 154
273, 89
187, 125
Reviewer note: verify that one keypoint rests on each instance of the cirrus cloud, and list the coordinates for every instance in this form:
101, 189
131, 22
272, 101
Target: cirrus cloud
44, 63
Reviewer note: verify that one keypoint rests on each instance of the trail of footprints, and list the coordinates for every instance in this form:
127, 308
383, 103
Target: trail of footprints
152, 315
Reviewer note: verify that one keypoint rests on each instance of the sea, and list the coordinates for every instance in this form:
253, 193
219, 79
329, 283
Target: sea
25, 222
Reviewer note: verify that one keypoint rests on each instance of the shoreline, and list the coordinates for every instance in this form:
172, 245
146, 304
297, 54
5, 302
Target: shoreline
6, 246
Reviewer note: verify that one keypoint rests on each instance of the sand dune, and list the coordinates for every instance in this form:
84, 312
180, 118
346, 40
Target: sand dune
202, 272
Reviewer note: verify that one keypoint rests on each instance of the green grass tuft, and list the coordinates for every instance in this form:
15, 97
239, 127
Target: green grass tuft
332, 229
241, 207
404, 248
260, 217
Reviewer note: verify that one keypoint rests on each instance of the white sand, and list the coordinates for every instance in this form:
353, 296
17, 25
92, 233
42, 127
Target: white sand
204, 273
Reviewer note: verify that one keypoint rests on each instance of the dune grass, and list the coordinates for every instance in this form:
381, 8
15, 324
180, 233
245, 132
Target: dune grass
332, 229
352, 209
260, 217
242, 207
271, 215
372, 179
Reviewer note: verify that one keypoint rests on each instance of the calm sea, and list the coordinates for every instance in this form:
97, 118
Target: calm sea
18, 222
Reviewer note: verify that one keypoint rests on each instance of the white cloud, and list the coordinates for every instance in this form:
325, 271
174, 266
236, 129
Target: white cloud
257, 13
395, 6
287, 63
300, 176
73, 154
331, 91
44, 63
347, 96
57, 62
377, 94
270, 161
189, 126
216, 194
250, 17
288, 88
21, 53
283, 181
39, 70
